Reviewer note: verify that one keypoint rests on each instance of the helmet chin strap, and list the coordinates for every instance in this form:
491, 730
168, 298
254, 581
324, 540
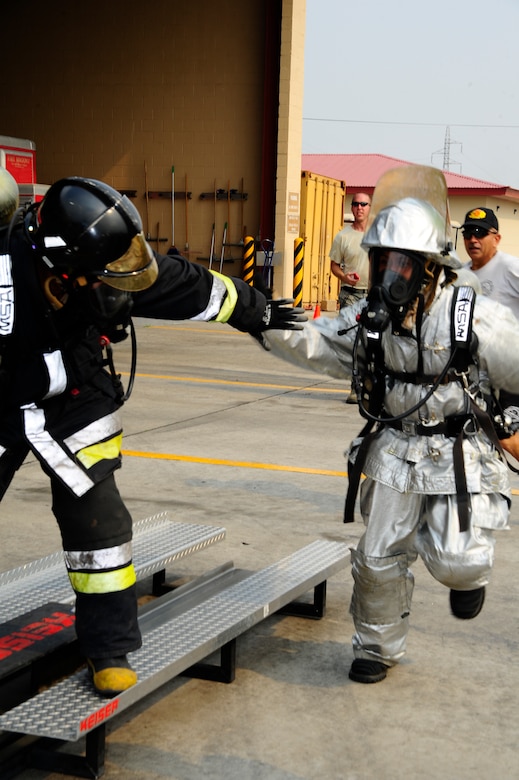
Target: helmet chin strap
58, 288
55, 291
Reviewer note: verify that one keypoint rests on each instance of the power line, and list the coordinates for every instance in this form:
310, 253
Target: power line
410, 124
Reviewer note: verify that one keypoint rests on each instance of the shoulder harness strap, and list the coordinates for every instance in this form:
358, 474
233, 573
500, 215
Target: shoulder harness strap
462, 313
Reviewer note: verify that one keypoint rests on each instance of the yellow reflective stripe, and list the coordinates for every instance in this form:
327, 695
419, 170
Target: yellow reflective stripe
103, 582
105, 450
96, 431
230, 300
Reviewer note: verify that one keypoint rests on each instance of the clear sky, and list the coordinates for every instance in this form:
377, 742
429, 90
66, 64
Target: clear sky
390, 76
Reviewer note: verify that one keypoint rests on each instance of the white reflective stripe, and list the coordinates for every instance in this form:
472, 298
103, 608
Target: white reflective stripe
6, 296
102, 429
57, 373
3, 450
218, 293
53, 241
230, 300
52, 453
95, 560
6, 275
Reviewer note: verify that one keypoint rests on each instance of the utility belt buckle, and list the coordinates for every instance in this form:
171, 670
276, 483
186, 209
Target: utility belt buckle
409, 427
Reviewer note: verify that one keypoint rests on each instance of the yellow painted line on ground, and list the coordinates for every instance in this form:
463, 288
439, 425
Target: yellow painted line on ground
228, 330
242, 464
235, 463
202, 380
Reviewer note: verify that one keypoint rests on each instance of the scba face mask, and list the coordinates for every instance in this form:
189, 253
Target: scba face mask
108, 309
396, 277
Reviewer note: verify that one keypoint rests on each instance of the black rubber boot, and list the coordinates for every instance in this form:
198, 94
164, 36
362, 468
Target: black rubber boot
365, 671
466, 604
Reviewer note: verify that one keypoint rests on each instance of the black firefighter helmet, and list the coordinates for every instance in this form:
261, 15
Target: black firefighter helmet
84, 227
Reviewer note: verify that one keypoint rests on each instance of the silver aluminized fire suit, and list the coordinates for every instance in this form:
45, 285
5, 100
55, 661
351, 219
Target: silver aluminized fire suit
409, 497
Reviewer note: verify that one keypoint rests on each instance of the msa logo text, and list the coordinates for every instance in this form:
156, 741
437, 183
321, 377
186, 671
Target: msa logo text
462, 319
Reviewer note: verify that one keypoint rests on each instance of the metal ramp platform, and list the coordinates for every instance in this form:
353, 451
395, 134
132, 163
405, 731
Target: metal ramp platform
157, 542
38, 642
179, 631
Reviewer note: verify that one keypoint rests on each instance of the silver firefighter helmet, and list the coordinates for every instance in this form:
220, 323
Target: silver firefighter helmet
410, 211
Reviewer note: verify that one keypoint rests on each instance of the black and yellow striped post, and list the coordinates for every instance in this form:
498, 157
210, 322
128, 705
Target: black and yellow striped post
248, 260
299, 252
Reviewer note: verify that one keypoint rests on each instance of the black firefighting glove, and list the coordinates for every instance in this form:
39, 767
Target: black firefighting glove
279, 314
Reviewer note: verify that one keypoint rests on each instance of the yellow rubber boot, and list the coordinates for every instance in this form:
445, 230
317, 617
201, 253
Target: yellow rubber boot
111, 676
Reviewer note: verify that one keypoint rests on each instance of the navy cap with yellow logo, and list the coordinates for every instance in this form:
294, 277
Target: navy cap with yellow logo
481, 217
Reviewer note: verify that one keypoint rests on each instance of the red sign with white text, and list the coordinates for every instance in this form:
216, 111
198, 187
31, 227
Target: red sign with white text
18, 156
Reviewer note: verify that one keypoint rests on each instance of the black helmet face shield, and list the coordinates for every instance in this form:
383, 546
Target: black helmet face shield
396, 277
135, 270
85, 228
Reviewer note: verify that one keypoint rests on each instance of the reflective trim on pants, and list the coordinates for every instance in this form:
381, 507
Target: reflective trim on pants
103, 582
96, 560
106, 428
105, 450
101, 571
52, 453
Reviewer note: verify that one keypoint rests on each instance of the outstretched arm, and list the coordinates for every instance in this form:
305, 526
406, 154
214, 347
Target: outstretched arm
187, 291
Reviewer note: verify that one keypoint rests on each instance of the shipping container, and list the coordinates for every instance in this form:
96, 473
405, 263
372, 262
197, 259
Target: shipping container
321, 218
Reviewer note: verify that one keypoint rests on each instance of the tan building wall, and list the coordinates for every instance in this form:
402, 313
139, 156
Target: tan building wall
288, 185
124, 93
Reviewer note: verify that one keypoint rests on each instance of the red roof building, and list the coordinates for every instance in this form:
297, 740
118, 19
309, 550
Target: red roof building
360, 172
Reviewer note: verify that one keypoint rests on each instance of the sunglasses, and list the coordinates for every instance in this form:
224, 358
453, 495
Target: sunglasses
477, 232
359, 203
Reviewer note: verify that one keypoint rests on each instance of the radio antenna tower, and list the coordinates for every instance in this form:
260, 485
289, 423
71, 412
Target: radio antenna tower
446, 151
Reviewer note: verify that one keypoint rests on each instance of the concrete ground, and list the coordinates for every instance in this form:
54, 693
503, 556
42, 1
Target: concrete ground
223, 413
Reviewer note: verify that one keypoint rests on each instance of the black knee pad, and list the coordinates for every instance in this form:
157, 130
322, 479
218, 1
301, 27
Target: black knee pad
93, 521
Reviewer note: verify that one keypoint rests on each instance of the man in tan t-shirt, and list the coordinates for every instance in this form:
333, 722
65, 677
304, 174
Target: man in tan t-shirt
349, 262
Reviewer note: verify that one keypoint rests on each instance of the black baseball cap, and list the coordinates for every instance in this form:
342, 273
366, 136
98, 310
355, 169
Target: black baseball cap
481, 217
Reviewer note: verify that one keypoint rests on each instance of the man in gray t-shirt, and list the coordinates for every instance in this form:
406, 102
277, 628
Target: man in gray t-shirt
498, 274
